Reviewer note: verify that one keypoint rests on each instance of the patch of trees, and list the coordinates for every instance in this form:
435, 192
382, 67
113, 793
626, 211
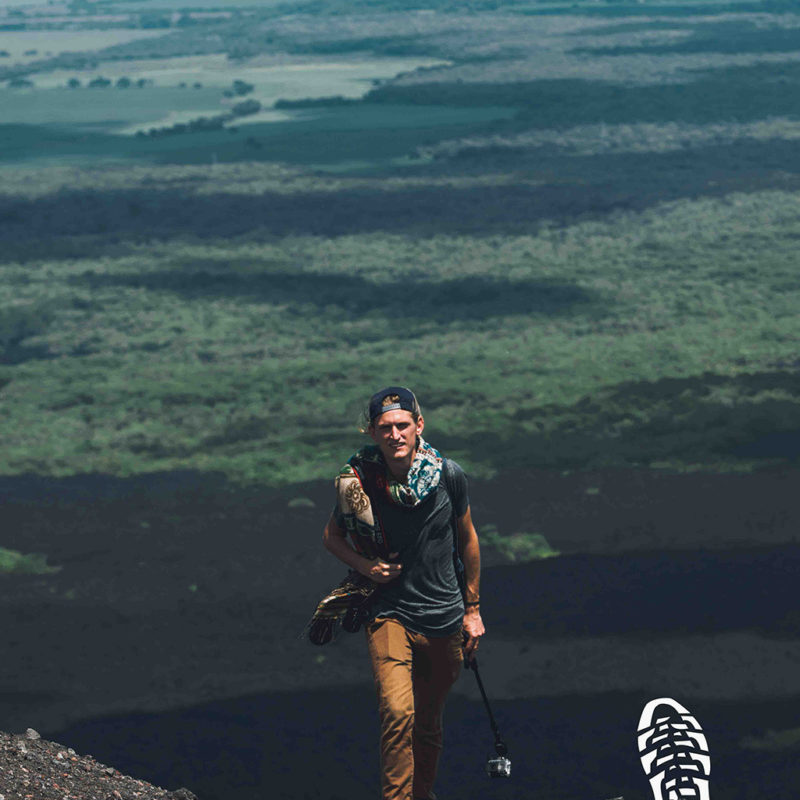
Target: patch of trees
735, 94
185, 20
103, 83
199, 125
245, 108
18, 323
239, 89
150, 20
461, 94
65, 61
20, 83
379, 45
204, 124
316, 102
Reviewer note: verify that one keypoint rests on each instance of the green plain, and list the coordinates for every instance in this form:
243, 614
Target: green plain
664, 338
224, 301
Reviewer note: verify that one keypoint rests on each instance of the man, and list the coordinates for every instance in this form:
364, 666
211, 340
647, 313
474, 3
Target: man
409, 500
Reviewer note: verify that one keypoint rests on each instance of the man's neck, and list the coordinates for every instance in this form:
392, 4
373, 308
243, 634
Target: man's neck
399, 470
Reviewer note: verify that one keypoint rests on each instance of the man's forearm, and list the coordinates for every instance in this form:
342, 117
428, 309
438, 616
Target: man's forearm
471, 556
376, 569
336, 544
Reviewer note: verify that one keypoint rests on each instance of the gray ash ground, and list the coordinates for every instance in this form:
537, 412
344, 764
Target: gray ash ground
32, 768
168, 641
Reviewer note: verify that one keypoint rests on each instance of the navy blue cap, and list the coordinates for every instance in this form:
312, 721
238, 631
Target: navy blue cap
406, 401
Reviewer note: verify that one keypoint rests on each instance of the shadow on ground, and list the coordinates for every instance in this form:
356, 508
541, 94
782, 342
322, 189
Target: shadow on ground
322, 745
476, 297
649, 594
703, 418
552, 188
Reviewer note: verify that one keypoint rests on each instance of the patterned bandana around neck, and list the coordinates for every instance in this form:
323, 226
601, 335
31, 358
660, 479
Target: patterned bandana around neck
423, 476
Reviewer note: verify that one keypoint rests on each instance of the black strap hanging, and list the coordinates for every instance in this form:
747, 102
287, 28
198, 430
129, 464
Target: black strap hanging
500, 746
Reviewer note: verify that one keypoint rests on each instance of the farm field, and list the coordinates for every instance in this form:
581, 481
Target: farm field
297, 79
182, 89
83, 109
571, 228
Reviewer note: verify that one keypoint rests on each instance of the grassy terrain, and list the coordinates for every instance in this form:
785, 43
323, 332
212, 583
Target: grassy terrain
576, 241
518, 547
13, 562
666, 337
103, 109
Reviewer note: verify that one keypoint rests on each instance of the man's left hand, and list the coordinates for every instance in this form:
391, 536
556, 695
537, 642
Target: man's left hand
473, 630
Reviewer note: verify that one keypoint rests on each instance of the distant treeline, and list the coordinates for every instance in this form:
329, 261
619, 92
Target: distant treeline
316, 102
243, 109
102, 83
193, 126
732, 94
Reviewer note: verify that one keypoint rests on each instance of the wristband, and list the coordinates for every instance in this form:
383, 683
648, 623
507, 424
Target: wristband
473, 603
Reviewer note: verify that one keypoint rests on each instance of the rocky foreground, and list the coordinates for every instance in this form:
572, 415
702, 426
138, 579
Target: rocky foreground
32, 768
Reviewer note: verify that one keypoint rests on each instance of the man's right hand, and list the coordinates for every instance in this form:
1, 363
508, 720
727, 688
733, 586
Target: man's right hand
382, 571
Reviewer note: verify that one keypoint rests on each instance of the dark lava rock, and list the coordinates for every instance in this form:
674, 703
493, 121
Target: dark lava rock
34, 769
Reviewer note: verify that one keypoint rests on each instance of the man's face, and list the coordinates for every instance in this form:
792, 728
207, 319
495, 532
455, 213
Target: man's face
395, 432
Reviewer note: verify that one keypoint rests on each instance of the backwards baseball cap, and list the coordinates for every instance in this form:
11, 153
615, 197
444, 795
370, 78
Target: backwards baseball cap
379, 404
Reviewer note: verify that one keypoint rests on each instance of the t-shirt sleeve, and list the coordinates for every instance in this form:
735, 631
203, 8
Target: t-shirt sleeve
459, 490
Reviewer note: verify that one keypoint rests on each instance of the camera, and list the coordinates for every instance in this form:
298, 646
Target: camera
498, 767
356, 615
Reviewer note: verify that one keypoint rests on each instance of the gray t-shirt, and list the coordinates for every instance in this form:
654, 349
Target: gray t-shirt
425, 597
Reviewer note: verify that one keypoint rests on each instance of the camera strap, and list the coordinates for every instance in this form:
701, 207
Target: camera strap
500, 746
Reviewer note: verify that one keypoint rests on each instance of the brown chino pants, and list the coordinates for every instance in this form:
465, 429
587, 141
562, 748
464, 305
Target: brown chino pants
413, 674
